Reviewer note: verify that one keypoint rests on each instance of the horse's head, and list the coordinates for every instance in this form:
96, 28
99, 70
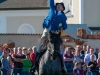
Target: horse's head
54, 43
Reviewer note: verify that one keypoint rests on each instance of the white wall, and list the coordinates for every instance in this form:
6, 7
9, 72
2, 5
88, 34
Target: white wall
18, 13
92, 13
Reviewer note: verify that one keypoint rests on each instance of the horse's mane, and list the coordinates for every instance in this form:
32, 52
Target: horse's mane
44, 44
55, 37
52, 36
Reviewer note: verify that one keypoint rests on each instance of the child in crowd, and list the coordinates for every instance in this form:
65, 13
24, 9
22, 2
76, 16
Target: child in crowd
88, 71
93, 66
77, 70
84, 69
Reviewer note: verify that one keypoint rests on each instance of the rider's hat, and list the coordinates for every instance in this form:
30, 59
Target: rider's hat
61, 4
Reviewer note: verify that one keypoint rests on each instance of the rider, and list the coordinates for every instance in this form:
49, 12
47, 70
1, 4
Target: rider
55, 21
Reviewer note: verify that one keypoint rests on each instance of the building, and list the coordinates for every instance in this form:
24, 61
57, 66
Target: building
26, 16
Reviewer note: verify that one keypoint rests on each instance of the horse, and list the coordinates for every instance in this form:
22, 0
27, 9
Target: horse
50, 61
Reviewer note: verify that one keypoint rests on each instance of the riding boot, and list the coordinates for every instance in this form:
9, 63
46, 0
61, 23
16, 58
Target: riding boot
64, 71
35, 62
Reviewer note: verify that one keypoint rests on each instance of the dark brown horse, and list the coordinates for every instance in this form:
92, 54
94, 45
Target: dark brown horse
50, 61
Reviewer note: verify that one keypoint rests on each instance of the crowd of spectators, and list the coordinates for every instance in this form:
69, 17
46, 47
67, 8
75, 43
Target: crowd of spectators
79, 60
17, 60
82, 60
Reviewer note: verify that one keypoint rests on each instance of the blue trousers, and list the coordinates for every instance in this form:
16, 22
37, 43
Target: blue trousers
26, 73
17, 71
69, 67
4, 71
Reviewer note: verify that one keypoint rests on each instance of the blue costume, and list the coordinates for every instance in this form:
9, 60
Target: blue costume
52, 21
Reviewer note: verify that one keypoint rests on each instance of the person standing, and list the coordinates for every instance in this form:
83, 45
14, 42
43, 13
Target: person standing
87, 56
68, 60
27, 65
76, 70
5, 64
32, 54
94, 68
96, 52
17, 62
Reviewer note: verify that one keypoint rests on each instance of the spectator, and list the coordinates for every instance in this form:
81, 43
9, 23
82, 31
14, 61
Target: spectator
0, 57
73, 51
68, 60
7, 50
78, 47
76, 70
77, 57
87, 56
17, 63
93, 65
11, 51
32, 55
96, 52
1, 50
87, 49
84, 69
62, 48
5, 64
27, 65
9, 58
24, 50
84, 48
82, 55
30, 50
98, 60
19, 51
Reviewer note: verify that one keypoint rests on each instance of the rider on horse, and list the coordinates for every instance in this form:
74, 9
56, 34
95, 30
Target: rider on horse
55, 21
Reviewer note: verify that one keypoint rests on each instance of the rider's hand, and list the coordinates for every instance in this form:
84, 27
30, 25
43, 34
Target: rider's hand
60, 28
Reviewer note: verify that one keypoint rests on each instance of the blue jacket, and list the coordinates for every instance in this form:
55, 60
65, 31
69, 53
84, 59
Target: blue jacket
52, 21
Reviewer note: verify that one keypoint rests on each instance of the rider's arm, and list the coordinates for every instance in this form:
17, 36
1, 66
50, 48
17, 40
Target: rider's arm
51, 4
64, 23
